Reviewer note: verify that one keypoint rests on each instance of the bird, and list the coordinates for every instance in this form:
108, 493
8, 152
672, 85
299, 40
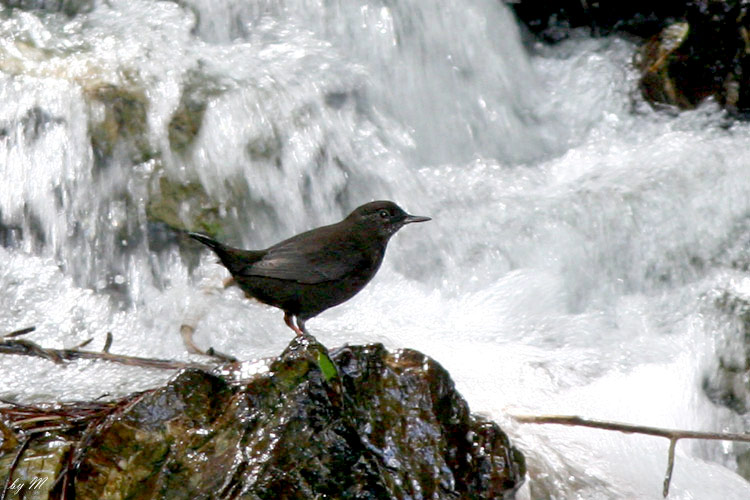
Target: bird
317, 269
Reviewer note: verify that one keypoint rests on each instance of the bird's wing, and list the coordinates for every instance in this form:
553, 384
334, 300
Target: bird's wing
312, 257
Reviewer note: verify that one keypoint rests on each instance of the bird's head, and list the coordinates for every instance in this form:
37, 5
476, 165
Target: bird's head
384, 217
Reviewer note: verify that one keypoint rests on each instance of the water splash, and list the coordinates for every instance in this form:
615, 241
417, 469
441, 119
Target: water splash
578, 245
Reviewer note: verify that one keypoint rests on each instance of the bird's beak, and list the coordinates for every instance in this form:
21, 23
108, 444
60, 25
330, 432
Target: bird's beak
415, 218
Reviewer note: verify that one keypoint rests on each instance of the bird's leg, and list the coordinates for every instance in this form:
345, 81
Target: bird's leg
301, 325
289, 320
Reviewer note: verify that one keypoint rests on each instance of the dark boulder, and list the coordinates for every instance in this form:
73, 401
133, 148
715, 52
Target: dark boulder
552, 21
690, 50
357, 423
709, 58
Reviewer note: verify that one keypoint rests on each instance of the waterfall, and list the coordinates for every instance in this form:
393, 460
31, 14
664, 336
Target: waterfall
586, 255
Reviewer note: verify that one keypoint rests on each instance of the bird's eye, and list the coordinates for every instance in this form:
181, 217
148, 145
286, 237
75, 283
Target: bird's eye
384, 214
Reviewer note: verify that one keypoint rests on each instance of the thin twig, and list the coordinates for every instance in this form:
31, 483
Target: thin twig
630, 428
187, 332
224, 358
670, 466
28, 348
84, 343
18, 333
51, 428
13, 466
672, 434
64, 489
16, 404
34, 420
108, 342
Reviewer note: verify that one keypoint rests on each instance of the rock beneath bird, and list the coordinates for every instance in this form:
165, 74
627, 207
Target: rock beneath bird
318, 269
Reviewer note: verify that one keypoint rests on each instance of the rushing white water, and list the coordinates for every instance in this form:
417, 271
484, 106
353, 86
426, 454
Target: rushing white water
581, 246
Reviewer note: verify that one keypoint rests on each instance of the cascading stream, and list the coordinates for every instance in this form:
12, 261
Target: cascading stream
586, 255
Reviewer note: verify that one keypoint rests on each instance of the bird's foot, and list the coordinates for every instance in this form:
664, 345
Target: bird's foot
289, 320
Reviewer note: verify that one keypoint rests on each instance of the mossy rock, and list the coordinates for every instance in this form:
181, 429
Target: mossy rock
43, 460
359, 422
123, 120
704, 55
726, 383
184, 206
655, 60
186, 121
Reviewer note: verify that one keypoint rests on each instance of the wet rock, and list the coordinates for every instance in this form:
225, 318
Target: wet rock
359, 422
187, 119
409, 414
36, 122
707, 55
184, 206
267, 148
8, 439
693, 49
29, 127
728, 382
186, 123
553, 21
118, 117
42, 462
655, 58
743, 464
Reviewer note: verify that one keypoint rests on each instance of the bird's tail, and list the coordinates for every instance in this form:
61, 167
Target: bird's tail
234, 259
209, 242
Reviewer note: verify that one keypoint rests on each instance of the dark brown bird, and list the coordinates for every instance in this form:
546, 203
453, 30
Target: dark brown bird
317, 269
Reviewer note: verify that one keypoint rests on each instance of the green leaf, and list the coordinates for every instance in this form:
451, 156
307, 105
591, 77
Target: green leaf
327, 366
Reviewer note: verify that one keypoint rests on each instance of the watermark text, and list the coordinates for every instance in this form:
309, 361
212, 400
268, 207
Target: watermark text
26, 485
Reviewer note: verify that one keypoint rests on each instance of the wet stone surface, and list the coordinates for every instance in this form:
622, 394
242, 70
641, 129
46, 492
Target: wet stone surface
356, 422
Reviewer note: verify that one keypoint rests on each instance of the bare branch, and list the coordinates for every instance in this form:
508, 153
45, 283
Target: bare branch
28, 348
630, 428
672, 434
